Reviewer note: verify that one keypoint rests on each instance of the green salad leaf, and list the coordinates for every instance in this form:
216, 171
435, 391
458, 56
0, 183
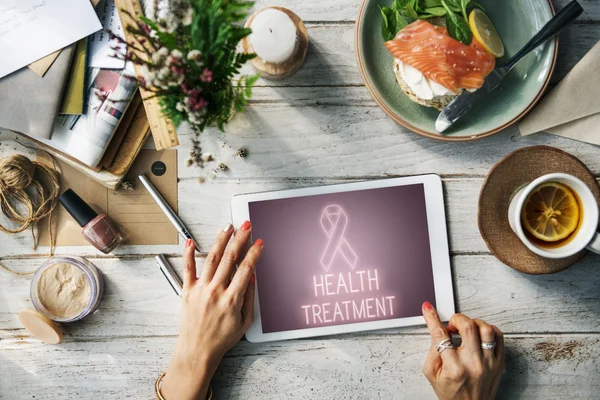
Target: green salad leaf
388, 23
410, 11
458, 28
431, 12
403, 12
392, 20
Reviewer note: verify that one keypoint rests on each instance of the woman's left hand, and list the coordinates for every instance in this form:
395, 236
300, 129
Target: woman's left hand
217, 309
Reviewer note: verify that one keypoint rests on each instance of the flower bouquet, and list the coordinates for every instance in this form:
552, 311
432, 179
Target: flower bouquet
189, 59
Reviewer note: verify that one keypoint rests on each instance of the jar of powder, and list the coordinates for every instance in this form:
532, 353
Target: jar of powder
66, 289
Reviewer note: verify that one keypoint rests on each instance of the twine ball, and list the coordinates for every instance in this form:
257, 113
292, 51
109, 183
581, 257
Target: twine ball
16, 172
28, 191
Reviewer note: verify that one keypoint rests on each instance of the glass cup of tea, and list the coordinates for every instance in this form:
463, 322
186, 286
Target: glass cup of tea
555, 216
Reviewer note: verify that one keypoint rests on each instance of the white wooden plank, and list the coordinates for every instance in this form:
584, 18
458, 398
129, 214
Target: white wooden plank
302, 96
331, 61
138, 302
352, 141
346, 10
381, 367
205, 209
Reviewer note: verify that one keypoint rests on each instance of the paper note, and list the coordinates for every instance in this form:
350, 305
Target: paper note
42, 65
73, 97
101, 52
571, 109
32, 29
134, 212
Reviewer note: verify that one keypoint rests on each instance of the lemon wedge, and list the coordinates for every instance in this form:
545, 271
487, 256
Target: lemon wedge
551, 212
485, 33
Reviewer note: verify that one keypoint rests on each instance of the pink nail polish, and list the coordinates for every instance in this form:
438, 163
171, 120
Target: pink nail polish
245, 226
253, 278
98, 229
427, 306
259, 243
189, 243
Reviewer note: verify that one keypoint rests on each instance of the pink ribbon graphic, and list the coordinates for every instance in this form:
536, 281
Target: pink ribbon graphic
334, 222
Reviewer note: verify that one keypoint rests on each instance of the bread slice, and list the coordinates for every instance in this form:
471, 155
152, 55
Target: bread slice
439, 102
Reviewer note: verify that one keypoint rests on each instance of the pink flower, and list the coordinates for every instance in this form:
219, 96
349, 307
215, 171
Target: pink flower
196, 104
144, 27
206, 75
112, 36
177, 70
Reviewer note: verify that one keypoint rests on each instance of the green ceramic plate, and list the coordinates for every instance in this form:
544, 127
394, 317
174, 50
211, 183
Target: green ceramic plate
516, 20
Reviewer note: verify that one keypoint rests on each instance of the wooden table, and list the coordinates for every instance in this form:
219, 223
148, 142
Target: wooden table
320, 127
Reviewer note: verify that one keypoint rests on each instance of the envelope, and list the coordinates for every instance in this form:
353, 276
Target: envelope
135, 213
572, 108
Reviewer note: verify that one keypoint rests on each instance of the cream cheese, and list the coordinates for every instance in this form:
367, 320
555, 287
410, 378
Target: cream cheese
422, 87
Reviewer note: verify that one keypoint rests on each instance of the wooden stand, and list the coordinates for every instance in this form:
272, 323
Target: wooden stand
284, 70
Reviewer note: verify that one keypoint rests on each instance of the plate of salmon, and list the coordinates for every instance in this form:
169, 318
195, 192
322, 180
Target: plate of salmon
416, 56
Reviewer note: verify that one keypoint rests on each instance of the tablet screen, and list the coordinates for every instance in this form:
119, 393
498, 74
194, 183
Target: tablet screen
342, 258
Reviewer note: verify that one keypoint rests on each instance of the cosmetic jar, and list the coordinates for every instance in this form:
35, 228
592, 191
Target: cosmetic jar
66, 289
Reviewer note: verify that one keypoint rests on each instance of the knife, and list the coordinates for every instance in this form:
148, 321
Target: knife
463, 103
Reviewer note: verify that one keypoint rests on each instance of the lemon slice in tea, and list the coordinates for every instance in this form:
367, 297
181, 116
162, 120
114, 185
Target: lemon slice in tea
485, 32
551, 212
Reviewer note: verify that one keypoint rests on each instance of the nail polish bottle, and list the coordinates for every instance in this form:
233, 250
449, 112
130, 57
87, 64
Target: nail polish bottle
97, 228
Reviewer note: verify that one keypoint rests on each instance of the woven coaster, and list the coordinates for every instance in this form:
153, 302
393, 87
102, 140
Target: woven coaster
516, 169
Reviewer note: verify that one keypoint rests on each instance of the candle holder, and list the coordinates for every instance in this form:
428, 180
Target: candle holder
279, 70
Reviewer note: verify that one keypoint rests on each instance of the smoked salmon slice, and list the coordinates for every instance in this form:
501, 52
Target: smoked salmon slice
439, 57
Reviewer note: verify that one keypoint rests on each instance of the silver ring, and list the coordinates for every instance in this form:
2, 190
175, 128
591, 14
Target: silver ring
488, 346
445, 344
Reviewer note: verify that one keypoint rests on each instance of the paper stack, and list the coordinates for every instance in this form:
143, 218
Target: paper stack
61, 86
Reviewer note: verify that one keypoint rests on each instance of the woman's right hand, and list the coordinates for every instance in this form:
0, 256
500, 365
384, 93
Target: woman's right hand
467, 372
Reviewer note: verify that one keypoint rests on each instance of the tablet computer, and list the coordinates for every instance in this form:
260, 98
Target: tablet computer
348, 258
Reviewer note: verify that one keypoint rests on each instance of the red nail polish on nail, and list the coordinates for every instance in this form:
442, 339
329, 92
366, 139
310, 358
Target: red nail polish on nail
245, 226
259, 243
253, 278
427, 306
189, 243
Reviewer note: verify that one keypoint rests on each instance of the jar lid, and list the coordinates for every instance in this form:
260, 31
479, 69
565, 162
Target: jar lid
40, 326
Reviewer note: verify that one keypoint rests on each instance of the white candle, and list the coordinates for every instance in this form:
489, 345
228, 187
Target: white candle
273, 36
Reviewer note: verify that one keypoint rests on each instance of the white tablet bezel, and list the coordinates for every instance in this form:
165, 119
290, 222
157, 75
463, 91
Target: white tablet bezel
438, 239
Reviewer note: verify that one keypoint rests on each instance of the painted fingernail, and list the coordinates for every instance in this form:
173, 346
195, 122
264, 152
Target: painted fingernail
253, 278
227, 228
259, 243
245, 226
189, 243
427, 306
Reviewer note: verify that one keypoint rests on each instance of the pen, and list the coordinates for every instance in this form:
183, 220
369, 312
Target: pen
174, 218
169, 273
